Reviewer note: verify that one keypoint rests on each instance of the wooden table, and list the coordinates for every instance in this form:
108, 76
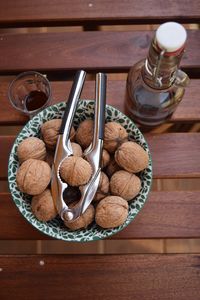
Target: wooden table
171, 214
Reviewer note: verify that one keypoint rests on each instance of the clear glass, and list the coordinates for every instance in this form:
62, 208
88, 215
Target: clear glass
30, 92
146, 105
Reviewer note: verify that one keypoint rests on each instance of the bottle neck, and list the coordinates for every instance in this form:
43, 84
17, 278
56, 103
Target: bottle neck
160, 67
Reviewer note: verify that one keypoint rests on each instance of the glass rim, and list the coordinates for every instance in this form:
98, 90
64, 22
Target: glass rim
20, 75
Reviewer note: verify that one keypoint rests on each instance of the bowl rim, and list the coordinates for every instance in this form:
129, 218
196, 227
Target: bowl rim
107, 232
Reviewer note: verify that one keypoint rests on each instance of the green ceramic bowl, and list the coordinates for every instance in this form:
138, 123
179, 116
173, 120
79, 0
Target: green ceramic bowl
55, 228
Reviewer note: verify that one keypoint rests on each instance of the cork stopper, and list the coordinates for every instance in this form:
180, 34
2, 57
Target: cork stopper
171, 36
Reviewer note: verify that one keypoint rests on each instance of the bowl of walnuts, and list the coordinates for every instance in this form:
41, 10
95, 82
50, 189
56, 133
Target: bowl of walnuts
125, 178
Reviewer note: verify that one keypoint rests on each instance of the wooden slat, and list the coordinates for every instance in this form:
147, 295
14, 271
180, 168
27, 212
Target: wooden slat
97, 50
188, 109
174, 155
5, 148
123, 277
65, 12
16, 227
165, 215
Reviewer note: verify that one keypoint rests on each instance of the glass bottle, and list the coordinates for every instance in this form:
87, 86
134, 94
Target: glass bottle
156, 85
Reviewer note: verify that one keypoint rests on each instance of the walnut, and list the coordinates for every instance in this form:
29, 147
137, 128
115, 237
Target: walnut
105, 158
77, 151
83, 221
132, 157
114, 136
103, 188
50, 132
84, 133
125, 184
112, 167
32, 147
43, 207
75, 171
33, 176
112, 211
50, 157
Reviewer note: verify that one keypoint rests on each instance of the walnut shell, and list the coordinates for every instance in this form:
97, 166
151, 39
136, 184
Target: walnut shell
125, 184
77, 151
33, 176
50, 132
114, 136
43, 207
105, 158
75, 171
83, 221
132, 157
84, 133
112, 167
103, 188
111, 212
32, 147
50, 157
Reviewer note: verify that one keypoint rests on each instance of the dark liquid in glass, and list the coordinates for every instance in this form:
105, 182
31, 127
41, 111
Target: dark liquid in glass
35, 100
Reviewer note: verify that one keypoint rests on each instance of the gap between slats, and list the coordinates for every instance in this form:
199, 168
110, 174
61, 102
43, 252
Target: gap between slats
106, 246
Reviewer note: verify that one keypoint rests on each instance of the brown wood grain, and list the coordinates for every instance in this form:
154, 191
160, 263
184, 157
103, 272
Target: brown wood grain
174, 155
89, 50
80, 12
164, 215
188, 109
6, 143
124, 277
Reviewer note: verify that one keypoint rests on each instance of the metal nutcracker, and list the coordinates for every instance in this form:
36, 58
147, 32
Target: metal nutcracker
92, 154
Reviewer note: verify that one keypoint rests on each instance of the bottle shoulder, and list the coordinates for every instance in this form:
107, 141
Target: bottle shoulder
136, 78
